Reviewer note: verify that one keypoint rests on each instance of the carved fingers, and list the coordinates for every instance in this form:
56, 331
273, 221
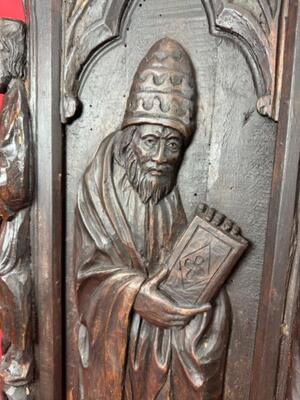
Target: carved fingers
236, 230
210, 214
193, 311
181, 316
219, 220
160, 310
227, 225
158, 278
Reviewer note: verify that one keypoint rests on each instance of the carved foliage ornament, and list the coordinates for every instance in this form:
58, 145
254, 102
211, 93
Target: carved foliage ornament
90, 25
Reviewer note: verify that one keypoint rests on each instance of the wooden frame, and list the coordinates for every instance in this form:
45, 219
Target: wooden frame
271, 327
277, 298
47, 218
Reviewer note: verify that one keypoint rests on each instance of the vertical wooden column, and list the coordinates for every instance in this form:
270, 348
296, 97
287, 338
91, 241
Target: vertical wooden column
271, 328
47, 210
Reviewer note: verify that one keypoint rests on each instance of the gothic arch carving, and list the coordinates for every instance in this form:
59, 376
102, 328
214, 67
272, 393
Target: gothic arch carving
258, 33
89, 26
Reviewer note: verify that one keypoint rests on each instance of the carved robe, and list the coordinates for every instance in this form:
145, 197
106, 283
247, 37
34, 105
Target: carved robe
15, 272
118, 244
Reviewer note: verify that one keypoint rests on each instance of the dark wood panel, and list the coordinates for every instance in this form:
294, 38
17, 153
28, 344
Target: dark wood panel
280, 226
47, 210
238, 161
228, 164
239, 182
288, 382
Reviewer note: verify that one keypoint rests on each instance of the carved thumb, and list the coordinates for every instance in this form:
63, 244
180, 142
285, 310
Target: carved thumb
159, 277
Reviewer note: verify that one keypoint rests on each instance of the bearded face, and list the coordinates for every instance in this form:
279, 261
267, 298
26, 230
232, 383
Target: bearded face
152, 158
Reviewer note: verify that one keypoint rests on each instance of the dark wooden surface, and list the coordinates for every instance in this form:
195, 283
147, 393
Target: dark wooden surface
45, 39
288, 383
229, 164
128, 217
270, 328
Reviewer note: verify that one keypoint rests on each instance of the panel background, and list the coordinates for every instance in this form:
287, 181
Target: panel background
229, 163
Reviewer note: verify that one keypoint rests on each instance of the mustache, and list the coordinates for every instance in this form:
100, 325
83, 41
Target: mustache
153, 167
151, 181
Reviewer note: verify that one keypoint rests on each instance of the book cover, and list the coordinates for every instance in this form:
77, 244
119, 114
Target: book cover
201, 261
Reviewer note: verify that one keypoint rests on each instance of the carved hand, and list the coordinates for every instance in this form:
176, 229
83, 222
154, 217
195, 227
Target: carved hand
159, 310
220, 220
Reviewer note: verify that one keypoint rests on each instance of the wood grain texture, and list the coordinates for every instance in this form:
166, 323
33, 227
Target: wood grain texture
138, 336
257, 27
116, 70
45, 40
280, 227
241, 162
288, 383
88, 25
228, 165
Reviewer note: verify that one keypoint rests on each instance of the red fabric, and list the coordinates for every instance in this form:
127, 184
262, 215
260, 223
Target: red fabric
12, 9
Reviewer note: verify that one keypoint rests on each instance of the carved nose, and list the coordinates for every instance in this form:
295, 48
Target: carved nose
160, 157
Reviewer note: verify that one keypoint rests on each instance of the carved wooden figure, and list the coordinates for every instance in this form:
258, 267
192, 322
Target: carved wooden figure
143, 334
15, 196
138, 294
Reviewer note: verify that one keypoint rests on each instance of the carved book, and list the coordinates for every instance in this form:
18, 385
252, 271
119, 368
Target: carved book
202, 259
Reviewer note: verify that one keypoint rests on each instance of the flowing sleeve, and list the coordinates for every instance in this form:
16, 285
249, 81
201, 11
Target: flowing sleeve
106, 285
200, 353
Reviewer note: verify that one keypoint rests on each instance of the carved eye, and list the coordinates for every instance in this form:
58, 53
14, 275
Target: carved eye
174, 145
150, 141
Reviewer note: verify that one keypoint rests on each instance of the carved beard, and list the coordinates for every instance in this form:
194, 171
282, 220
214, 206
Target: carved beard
149, 187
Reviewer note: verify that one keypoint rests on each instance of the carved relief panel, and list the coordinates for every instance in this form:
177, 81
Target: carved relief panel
129, 269
171, 94
164, 195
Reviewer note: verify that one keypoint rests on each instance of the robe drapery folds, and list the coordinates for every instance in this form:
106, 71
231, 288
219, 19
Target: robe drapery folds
15, 270
15, 157
119, 242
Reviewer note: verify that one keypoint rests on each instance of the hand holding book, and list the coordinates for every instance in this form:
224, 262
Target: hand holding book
159, 310
203, 258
